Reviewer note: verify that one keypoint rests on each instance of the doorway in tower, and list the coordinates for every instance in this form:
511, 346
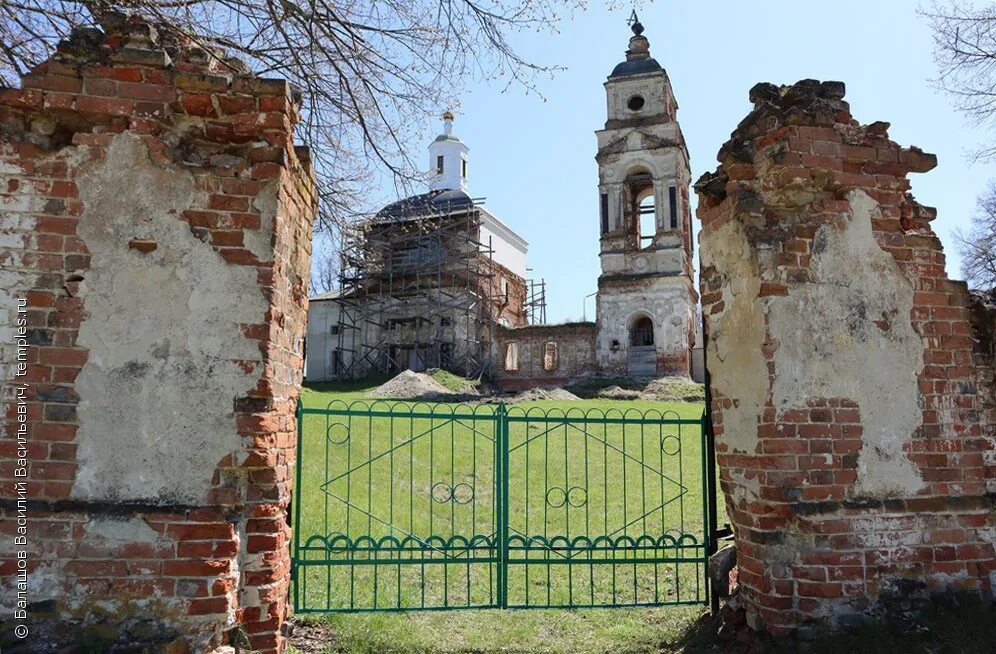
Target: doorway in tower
641, 353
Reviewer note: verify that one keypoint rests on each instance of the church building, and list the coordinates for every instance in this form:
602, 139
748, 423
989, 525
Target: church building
436, 280
646, 295
423, 283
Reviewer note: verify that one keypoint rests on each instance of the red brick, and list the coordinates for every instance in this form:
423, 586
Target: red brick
207, 606
231, 237
813, 589
195, 568
153, 92
197, 104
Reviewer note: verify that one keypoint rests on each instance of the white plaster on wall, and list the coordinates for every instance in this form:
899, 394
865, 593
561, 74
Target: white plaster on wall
668, 300
163, 331
15, 227
830, 345
130, 530
736, 334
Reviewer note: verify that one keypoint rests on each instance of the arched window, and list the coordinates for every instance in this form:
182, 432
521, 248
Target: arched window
642, 332
512, 357
647, 210
550, 357
639, 208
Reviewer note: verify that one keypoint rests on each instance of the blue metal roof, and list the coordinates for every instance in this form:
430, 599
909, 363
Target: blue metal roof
636, 67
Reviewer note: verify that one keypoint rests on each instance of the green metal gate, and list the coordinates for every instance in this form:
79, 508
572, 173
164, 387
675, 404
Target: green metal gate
437, 506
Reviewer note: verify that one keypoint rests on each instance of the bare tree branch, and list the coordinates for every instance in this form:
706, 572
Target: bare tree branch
965, 54
977, 245
370, 72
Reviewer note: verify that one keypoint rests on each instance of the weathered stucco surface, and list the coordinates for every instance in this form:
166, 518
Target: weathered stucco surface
851, 381
574, 344
668, 301
739, 371
642, 154
155, 226
854, 315
163, 376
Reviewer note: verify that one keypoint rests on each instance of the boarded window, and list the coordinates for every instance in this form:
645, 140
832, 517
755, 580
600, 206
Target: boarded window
604, 210
673, 201
512, 357
551, 361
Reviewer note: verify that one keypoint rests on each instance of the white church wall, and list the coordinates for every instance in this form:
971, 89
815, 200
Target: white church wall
323, 319
509, 249
666, 300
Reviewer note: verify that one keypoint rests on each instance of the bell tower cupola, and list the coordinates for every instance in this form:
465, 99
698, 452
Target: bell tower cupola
646, 297
448, 160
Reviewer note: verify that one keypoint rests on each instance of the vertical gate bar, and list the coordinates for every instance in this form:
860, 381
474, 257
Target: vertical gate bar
473, 477
496, 506
681, 479
326, 446
587, 498
430, 482
546, 503
390, 514
502, 464
504, 505
370, 437
445, 554
453, 481
661, 551
710, 464
643, 473
707, 509
567, 511
495, 568
296, 501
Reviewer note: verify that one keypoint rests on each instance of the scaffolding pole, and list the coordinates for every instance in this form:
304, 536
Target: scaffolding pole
535, 305
416, 292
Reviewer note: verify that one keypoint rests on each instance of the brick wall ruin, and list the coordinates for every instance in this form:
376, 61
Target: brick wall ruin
156, 221
544, 355
853, 391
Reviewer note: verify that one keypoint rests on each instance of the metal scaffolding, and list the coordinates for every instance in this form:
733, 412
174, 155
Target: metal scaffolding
416, 291
535, 304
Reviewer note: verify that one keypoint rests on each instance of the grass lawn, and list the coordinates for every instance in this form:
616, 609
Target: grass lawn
423, 488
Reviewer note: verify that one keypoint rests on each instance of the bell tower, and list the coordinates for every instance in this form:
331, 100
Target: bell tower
448, 157
646, 296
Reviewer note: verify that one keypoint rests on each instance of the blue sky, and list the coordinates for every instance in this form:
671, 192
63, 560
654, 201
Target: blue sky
532, 158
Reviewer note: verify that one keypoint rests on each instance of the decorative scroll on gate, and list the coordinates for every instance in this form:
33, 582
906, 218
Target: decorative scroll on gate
435, 506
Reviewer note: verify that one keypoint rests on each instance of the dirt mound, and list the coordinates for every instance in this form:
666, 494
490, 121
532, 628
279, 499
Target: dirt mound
679, 389
454, 382
619, 393
410, 385
536, 394
664, 389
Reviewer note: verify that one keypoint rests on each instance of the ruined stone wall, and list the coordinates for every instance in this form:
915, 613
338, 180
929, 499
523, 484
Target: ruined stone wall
547, 355
852, 404
670, 304
507, 292
155, 217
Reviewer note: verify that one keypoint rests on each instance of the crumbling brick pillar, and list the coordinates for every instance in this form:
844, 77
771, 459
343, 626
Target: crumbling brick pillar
155, 229
854, 417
